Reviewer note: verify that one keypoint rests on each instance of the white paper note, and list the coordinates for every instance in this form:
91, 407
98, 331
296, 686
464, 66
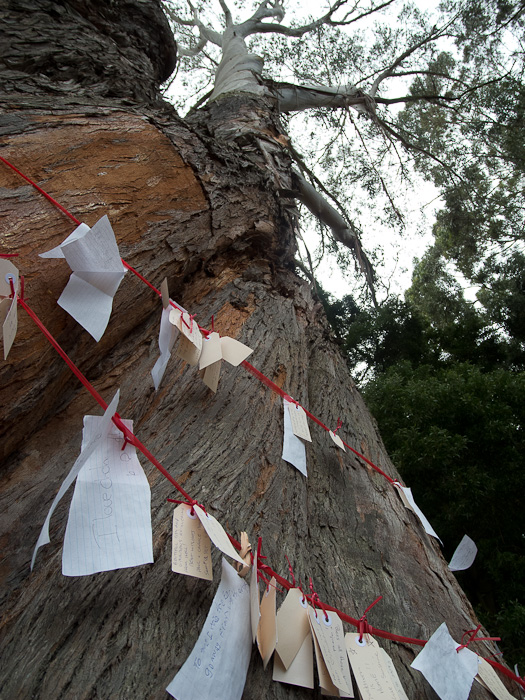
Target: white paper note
373, 676
464, 556
97, 271
448, 671
335, 437
294, 450
255, 608
85, 454
299, 422
417, 510
217, 534
167, 335
109, 524
217, 666
8, 306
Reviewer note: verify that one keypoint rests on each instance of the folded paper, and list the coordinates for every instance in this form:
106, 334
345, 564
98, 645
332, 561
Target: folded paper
97, 271
218, 664
109, 523
190, 342
167, 335
8, 304
415, 509
267, 631
301, 670
292, 626
217, 534
255, 609
294, 450
88, 450
448, 671
335, 437
464, 556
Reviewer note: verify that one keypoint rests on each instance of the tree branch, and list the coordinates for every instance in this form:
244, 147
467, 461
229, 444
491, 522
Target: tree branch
296, 98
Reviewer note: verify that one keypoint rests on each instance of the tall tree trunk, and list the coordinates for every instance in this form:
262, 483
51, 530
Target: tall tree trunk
203, 203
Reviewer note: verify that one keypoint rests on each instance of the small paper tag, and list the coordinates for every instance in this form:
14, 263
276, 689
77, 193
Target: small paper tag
190, 550
165, 293
402, 496
217, 534
255, 613
418, 512
9, 321
327, 686
372, 674
233, 351
299, 422
464, 556
330, 636
267, 631
190, 330
292, 626
335, 437
294, 450
301, 670
211, 350
210, 376
187, 351
488, 676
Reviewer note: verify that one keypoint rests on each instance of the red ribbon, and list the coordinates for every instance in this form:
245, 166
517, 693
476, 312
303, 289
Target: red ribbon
363, 627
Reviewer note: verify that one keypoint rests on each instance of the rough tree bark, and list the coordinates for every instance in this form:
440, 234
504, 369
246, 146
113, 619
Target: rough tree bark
205, 204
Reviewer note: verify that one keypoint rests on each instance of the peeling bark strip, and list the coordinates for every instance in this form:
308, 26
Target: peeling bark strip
206, 212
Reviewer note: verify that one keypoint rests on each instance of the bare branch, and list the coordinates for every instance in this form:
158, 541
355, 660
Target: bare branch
296, 98
227, 13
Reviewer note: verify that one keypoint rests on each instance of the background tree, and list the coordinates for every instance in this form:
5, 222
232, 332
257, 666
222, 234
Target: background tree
208, 202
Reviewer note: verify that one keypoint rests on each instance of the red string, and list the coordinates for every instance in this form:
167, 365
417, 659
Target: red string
473, 638
339, 425
131, 438
9, 255
363, 627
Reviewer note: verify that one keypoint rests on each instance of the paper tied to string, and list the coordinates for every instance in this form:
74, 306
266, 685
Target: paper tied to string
294, 450
450, 672
97, 271
489, 679
88, 451
191, 548
464, 556
109, 523
407, 497
293, 658
217, 666
190, 342
337, 440
327, 631
217, 534
8, 303
373, 669
267, 630
216, 349
167, 336
255, 608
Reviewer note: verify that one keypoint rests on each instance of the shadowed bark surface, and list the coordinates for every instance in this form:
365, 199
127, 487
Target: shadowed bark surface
206, 205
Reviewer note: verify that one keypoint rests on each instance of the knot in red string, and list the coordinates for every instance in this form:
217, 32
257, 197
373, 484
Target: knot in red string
315, 600
339, 425
291, 571
362, 626
473, 638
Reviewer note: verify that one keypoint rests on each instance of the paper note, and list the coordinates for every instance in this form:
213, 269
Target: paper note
211, 350
464, 556
190, 343
233, 351
299, 422
267, 631
190, 549
415, 509
109, 523
167, 335
490, 679
325, 681
373, 676
301, 670
292, 626
255, 613
210, 375
330, 637
402, 496
448, 671
165, 293
389, 665
335, 437
8, 306
217, 534
97, 271
218, 664
90, 449
294, 450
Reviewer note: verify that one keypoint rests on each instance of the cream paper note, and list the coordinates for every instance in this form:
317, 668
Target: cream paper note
234, 351
325, 681
109, 523
373, 676
488, 676
267, 630
294, 450
299, 421
335, 437
8, 306
88, 451
464, 556
301, 670
255, 609
217, 534
292, 626
217, 666
97, 271
190, 548
190, 342
330, 637
448, 671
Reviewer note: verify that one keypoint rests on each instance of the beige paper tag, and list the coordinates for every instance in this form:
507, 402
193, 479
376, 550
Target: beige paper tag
211, 350
330, 636
267, 631
233, 351
373, 676
389, 665
165, 293
301, 670
190, 549
292, 627
299, 422
9, 320
217, 534
255, 613
490, 679
189, 329
402, 496
335, 437
210, 375
7, 269
327, 687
